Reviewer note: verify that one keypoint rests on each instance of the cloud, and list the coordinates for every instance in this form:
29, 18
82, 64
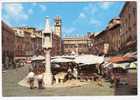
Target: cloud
82, 15
90, 8
5, 18
43, 7
34, 4
30, 11
95, 22
87, 10
91, 14
68, 31
15, 11
105, 5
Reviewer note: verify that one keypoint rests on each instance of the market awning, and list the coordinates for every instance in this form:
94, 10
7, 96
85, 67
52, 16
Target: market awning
115, 65
118, 59
61, 60
89, 59
35, 58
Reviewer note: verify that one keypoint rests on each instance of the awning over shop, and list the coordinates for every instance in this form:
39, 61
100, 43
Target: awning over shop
81, 59
117, 59
61, 60
35, 58
129, 57
89, 59
121, 65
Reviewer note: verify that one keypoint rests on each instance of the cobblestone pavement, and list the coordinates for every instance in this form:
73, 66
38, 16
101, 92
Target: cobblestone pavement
11, 77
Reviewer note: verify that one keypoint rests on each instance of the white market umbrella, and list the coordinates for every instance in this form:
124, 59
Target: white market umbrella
115, 65
89, 59
122, 65
61, 60
69, 56
35, 58
133, 65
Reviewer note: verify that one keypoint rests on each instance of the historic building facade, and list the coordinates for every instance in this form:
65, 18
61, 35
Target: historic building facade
19, 50
24, 42
28, 41
79, 45
120, 34
28, 44
128, 29
36, 39
112, 38
108, 40
8, 39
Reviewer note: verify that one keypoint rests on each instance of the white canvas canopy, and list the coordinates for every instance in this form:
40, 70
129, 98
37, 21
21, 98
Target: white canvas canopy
34, 58
69, 56
123, 65
89, 59
133, 65
61, 60
114, 65
84, 59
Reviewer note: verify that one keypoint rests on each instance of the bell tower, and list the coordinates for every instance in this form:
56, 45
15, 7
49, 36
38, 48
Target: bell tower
57, 26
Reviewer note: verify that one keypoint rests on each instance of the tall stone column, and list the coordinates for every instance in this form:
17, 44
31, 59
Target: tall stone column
47, 45
48, 74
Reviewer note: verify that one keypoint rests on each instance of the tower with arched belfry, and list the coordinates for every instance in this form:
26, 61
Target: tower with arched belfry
58, 33
58, 26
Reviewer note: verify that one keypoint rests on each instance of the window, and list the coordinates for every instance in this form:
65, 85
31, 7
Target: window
66, 46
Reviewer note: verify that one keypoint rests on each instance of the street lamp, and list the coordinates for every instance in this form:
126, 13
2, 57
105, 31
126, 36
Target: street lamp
47, 46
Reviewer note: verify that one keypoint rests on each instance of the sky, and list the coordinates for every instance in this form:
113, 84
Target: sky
77, 18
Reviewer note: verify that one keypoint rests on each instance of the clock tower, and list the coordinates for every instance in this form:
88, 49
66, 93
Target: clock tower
57, 26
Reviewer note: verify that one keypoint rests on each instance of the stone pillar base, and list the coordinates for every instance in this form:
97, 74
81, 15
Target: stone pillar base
47, 79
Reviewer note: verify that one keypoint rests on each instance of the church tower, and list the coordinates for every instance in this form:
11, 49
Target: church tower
57, 26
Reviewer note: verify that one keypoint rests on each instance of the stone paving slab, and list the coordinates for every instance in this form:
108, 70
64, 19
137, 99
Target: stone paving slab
11, 77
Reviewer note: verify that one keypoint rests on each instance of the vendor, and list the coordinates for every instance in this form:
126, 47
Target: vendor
75, 73
69, 75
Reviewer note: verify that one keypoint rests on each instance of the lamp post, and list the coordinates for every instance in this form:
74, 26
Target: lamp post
47, 45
